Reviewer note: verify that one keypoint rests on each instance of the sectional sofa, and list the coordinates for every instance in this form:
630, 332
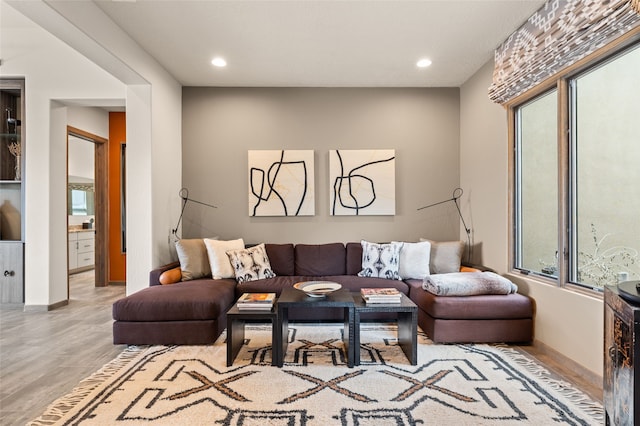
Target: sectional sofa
172, 311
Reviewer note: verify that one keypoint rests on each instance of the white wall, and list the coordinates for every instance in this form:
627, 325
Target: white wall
55, 71
222, 124
566, 321
52, 71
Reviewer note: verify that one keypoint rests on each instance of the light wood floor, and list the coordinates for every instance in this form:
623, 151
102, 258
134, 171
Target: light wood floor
43, 355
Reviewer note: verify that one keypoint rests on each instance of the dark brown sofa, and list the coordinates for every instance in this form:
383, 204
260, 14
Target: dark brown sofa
194, 312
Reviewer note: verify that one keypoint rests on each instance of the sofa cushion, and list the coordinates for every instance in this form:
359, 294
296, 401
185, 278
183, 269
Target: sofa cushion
354, 258
203, 299
320, 259
482, 307
194, 262
281, 257
218, 259
354, 283
446, 256
380, 260
250, 264
270, 285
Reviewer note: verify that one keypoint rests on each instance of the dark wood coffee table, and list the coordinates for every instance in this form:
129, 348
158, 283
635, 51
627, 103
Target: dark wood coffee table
236, 320
407, 312
293, 298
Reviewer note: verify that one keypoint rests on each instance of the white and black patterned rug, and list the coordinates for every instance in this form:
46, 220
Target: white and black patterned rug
451, 385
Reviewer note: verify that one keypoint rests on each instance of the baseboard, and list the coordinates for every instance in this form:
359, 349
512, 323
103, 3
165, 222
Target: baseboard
588, 375
45, 308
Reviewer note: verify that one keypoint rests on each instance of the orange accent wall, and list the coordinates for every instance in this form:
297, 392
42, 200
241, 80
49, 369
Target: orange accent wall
117, 136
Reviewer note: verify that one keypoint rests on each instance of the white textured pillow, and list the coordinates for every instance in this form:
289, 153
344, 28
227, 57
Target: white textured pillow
218, 259
380, 260
192, 255
446, 256
250, 264
414, 260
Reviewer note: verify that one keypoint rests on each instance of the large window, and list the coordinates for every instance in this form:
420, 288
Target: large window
537, 188
597, 197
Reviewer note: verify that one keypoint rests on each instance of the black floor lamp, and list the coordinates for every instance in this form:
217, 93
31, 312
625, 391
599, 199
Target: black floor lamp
184, 194
457, 193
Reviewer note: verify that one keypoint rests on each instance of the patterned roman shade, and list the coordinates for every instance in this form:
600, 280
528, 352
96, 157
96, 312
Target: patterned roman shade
558, 35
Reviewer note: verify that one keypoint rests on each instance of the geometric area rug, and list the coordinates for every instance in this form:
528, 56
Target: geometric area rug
456, 384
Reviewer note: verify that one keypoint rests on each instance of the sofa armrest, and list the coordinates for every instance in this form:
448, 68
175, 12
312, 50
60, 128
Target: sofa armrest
480, 268
154, 275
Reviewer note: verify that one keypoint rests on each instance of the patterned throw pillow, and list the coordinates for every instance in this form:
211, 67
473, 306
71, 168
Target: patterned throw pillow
380, 260
250, 264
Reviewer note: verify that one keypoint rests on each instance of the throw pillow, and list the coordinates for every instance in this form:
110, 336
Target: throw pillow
414, 260
250, 264
218, 259
192, 255
380, 260
446, 256
170, 276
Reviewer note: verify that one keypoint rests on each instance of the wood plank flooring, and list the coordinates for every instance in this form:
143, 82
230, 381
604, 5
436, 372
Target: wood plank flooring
43, 355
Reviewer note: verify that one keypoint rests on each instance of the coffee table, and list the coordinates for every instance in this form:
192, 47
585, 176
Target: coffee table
293, 298
407, 312
236, 320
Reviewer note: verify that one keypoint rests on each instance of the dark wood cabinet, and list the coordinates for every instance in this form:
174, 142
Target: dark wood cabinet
621, 351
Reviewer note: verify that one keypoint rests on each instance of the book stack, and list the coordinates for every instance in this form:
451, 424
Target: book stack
256, 301
381, 295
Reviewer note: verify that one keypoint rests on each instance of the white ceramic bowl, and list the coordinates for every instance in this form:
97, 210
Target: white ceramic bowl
317, 288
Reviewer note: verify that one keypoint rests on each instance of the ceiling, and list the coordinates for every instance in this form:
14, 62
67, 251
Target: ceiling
327, 43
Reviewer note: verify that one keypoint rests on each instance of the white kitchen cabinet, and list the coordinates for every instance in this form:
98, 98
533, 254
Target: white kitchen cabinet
81, 250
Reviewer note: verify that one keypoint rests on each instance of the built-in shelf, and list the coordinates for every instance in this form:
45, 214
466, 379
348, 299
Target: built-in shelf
12, 191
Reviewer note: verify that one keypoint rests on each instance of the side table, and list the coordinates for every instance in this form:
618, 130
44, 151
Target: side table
236, 320
407, 324
291, 297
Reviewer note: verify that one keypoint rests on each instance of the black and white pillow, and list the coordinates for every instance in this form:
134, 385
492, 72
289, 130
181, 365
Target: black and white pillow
251, 264
380, 260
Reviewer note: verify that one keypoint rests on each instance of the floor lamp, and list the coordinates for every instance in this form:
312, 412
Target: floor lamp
184, 194
457, 193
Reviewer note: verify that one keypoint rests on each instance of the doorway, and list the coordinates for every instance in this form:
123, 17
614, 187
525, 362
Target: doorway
89, 201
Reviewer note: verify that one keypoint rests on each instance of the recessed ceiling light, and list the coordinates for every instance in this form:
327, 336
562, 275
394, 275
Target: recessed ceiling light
423, 63
219, 62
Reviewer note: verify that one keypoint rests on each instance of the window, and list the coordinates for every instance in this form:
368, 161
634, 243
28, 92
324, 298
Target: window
537, 188
584, 204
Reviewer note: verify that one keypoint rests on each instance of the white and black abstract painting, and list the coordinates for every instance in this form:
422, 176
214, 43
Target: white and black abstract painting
281, 183
362, 182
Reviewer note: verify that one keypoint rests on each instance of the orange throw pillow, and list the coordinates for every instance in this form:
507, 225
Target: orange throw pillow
171, 276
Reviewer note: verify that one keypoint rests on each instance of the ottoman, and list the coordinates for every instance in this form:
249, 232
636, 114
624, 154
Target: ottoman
186, 313
474, 319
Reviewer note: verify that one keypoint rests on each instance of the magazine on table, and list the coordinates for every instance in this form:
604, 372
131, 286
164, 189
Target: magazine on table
381, 295
256, 301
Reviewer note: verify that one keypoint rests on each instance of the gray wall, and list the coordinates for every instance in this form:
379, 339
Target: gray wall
221, 124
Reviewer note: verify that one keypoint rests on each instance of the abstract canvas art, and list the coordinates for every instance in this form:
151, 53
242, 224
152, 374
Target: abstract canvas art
281, 183
362, 182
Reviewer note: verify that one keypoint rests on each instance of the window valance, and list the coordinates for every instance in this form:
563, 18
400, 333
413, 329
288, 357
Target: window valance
558, 35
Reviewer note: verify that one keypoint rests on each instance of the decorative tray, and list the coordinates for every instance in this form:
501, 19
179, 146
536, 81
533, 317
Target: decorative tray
317, 288
630, 291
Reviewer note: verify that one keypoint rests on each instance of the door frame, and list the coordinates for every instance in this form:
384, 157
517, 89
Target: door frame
101, 203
